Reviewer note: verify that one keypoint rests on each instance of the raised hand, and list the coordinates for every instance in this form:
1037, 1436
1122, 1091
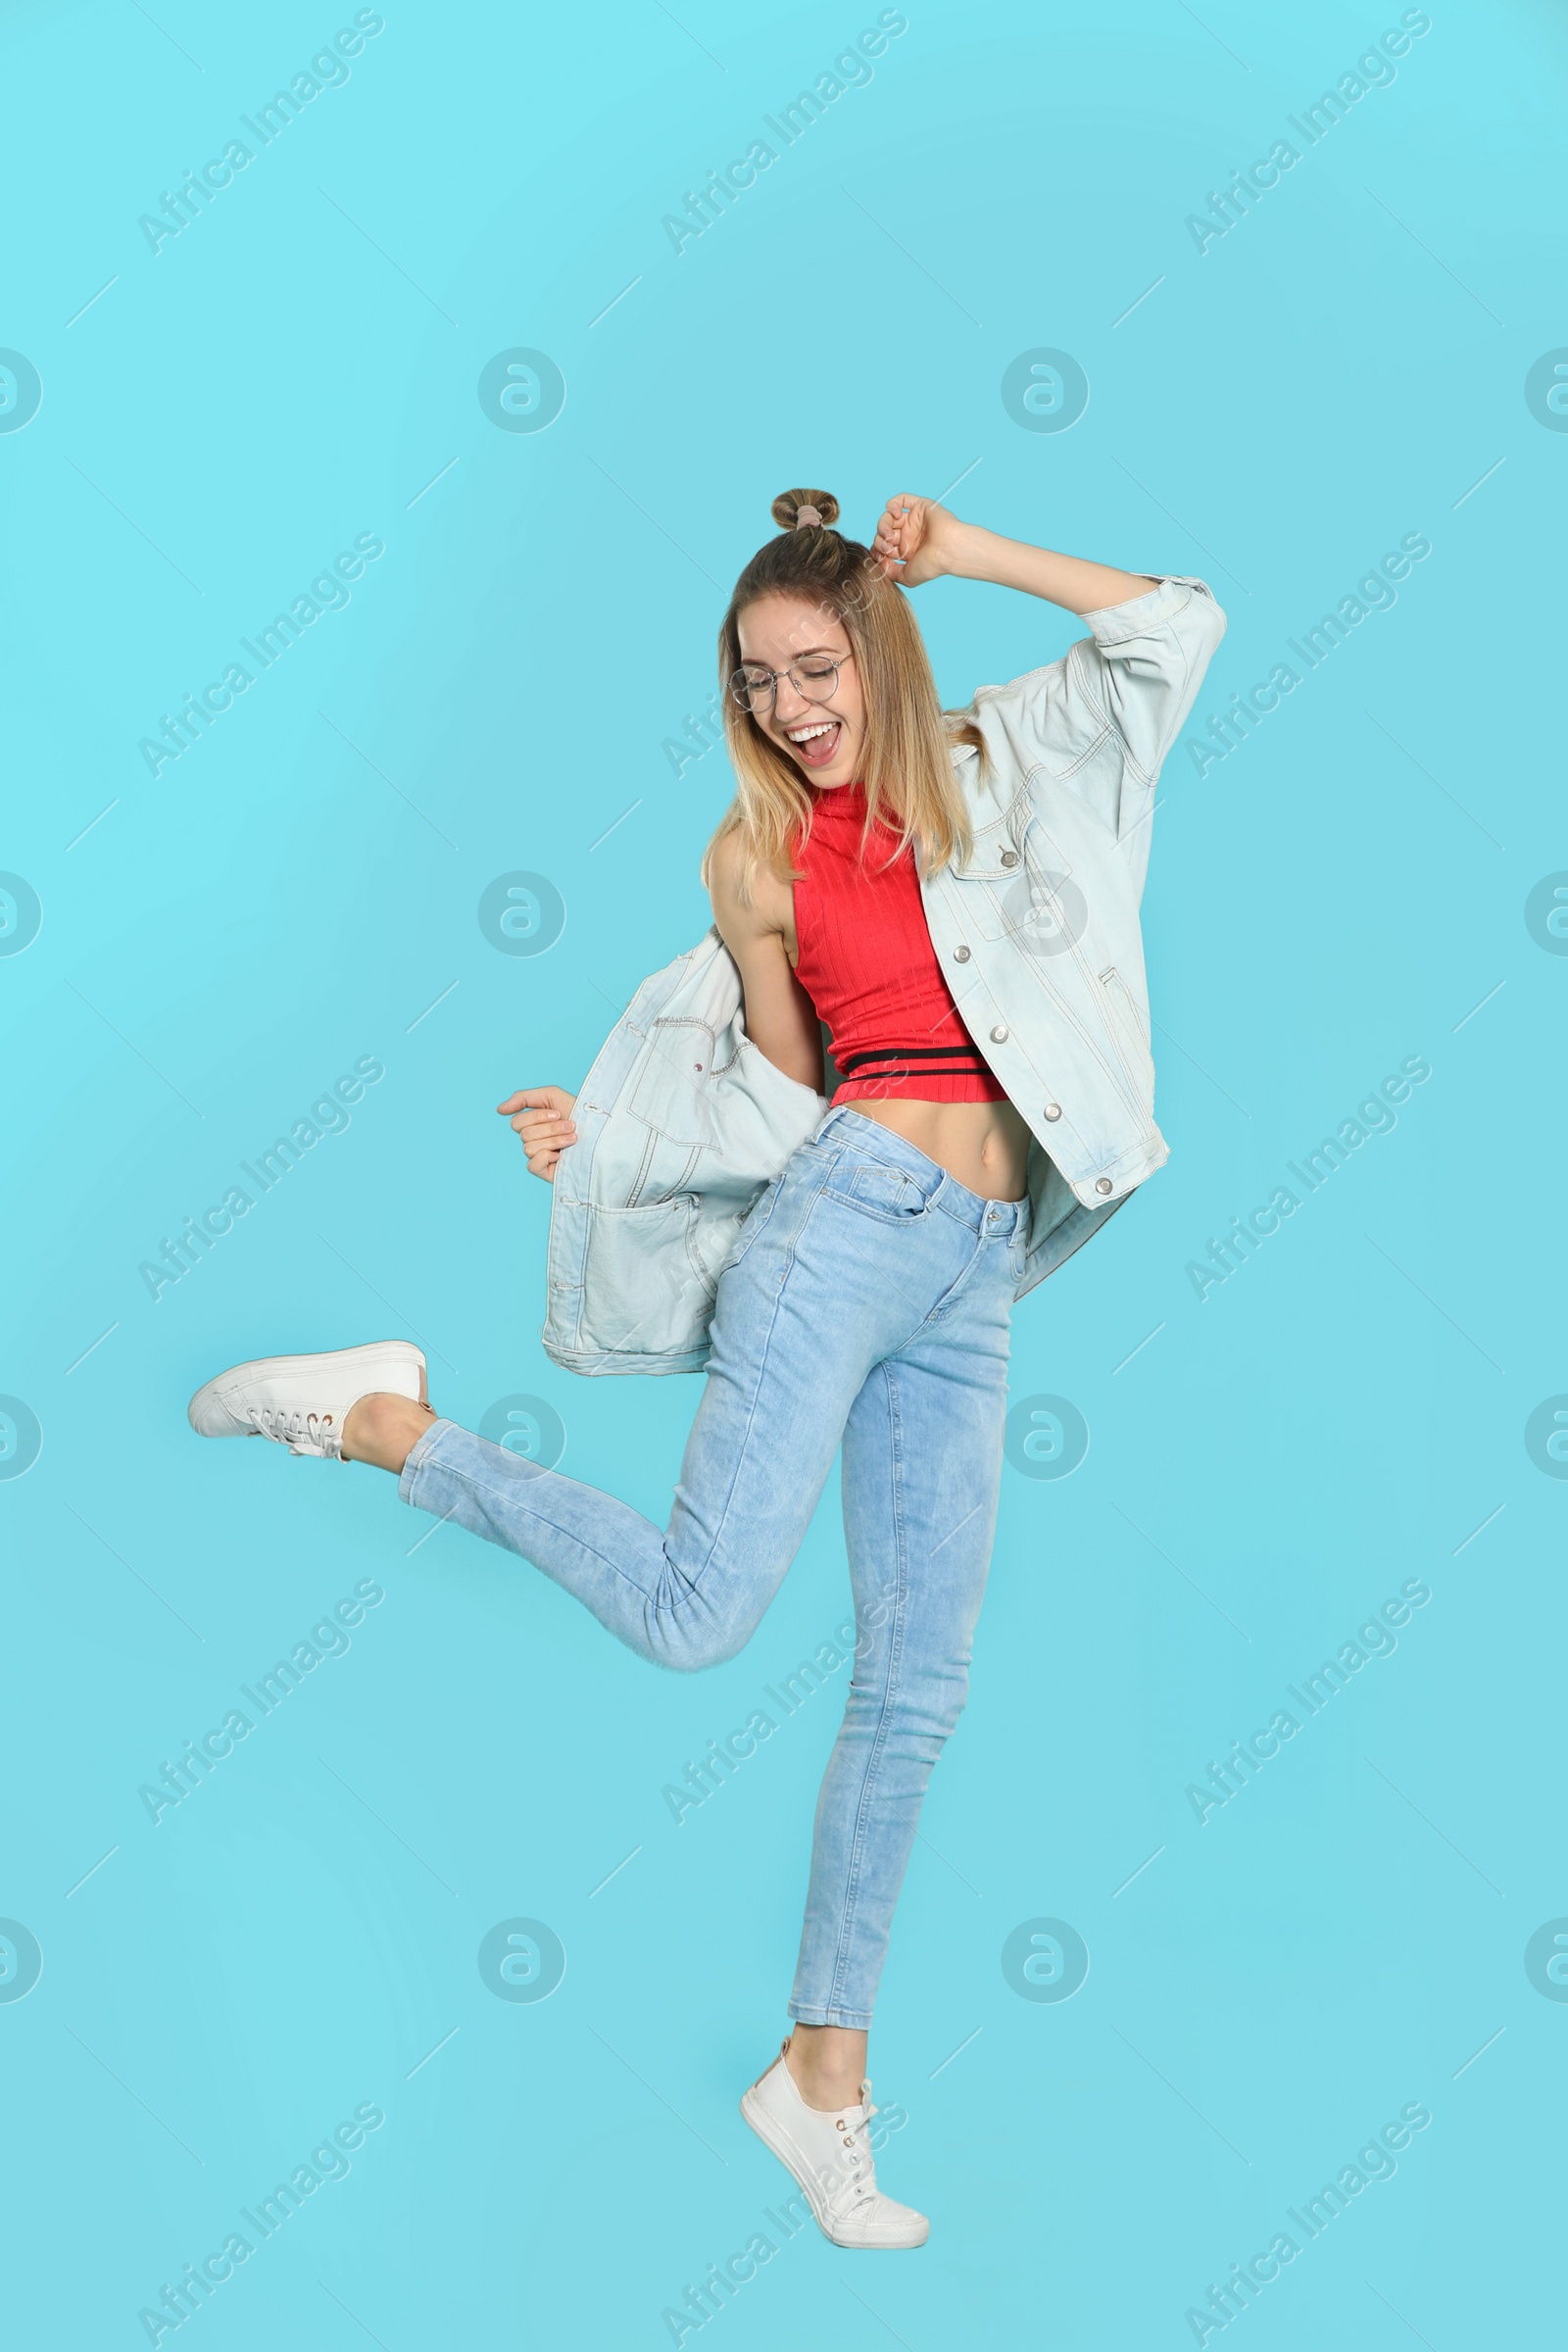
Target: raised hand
912, 539
542, 1116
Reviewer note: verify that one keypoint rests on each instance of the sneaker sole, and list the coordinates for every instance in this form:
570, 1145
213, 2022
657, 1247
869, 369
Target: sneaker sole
777, 2140
375, 1352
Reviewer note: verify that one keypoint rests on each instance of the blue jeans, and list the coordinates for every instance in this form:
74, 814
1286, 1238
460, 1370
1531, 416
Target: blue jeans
866, 1301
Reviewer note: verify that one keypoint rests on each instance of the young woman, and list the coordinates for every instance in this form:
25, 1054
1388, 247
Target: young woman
955, 897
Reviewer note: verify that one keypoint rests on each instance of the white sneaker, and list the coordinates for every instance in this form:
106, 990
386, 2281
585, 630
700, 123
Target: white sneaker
302, 1401
830, 2155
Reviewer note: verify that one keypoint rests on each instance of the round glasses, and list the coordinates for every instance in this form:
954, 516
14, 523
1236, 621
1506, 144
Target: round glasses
815, 679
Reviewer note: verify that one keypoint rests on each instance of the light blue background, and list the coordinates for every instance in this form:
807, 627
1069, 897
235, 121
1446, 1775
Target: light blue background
294, 893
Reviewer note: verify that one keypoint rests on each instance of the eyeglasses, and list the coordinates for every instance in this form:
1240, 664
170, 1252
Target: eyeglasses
815, 679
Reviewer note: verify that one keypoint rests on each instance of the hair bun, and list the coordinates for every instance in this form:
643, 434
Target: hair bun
786, 507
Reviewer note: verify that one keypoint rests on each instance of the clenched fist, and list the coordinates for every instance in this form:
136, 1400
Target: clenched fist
916, 539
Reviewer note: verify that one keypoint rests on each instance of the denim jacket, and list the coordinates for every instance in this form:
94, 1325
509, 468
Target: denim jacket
682, 1121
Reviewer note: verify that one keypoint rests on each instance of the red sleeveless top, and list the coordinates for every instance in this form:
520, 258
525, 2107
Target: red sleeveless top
868, 966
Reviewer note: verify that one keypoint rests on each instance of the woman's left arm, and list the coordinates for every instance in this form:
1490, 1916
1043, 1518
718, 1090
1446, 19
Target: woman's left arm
916, 540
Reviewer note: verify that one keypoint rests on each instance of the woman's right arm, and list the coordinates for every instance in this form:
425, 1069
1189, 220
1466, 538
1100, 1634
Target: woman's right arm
917, 539
780, 1016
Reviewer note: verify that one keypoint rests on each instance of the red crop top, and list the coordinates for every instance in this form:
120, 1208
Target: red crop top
868, 966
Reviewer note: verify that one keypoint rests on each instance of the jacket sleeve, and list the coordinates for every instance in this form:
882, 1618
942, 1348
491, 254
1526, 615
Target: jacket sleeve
1101, 722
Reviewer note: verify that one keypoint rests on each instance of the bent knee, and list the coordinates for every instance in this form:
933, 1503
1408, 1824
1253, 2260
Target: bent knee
689, 1627
688, 1645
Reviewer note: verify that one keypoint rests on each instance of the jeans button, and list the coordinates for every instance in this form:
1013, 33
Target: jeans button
1101, 1184
960, 955
1052, 1110
999, 1035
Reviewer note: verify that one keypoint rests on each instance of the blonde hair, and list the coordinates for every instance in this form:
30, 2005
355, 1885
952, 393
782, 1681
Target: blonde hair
908, 772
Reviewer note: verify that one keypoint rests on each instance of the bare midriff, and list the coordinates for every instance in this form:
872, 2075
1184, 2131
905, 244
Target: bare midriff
984, 1145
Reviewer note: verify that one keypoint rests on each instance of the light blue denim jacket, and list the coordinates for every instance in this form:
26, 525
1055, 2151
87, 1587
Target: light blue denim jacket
682, 1121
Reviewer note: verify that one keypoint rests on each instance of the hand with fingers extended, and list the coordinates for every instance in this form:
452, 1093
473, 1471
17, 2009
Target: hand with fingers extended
542, 1116
915, 539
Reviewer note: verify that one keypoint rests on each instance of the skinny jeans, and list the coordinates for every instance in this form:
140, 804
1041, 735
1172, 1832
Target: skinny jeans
865, 1302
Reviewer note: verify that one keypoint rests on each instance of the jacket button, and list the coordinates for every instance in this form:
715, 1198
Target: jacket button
1052, 1110
999, 1035
960, 955
1009, 857
1101, 1184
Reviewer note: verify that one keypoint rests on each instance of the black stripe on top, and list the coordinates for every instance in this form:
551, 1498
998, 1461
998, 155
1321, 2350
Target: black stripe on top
957, 1060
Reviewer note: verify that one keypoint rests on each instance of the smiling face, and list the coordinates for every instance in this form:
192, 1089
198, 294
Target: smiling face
826, 740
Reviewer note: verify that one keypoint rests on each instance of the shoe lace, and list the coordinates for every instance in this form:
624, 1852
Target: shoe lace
858, 2174
292, 1428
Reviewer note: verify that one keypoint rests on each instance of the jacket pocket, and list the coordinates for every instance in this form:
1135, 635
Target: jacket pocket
663, 1170
645, 1290
670, 1093
1127, 1029
1036, 903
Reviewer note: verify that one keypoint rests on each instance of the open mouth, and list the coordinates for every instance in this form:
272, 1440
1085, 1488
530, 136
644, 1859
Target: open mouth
815, 745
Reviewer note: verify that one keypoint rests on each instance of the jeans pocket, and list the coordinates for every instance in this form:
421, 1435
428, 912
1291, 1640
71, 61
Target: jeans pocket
879, 1190
752, 1224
